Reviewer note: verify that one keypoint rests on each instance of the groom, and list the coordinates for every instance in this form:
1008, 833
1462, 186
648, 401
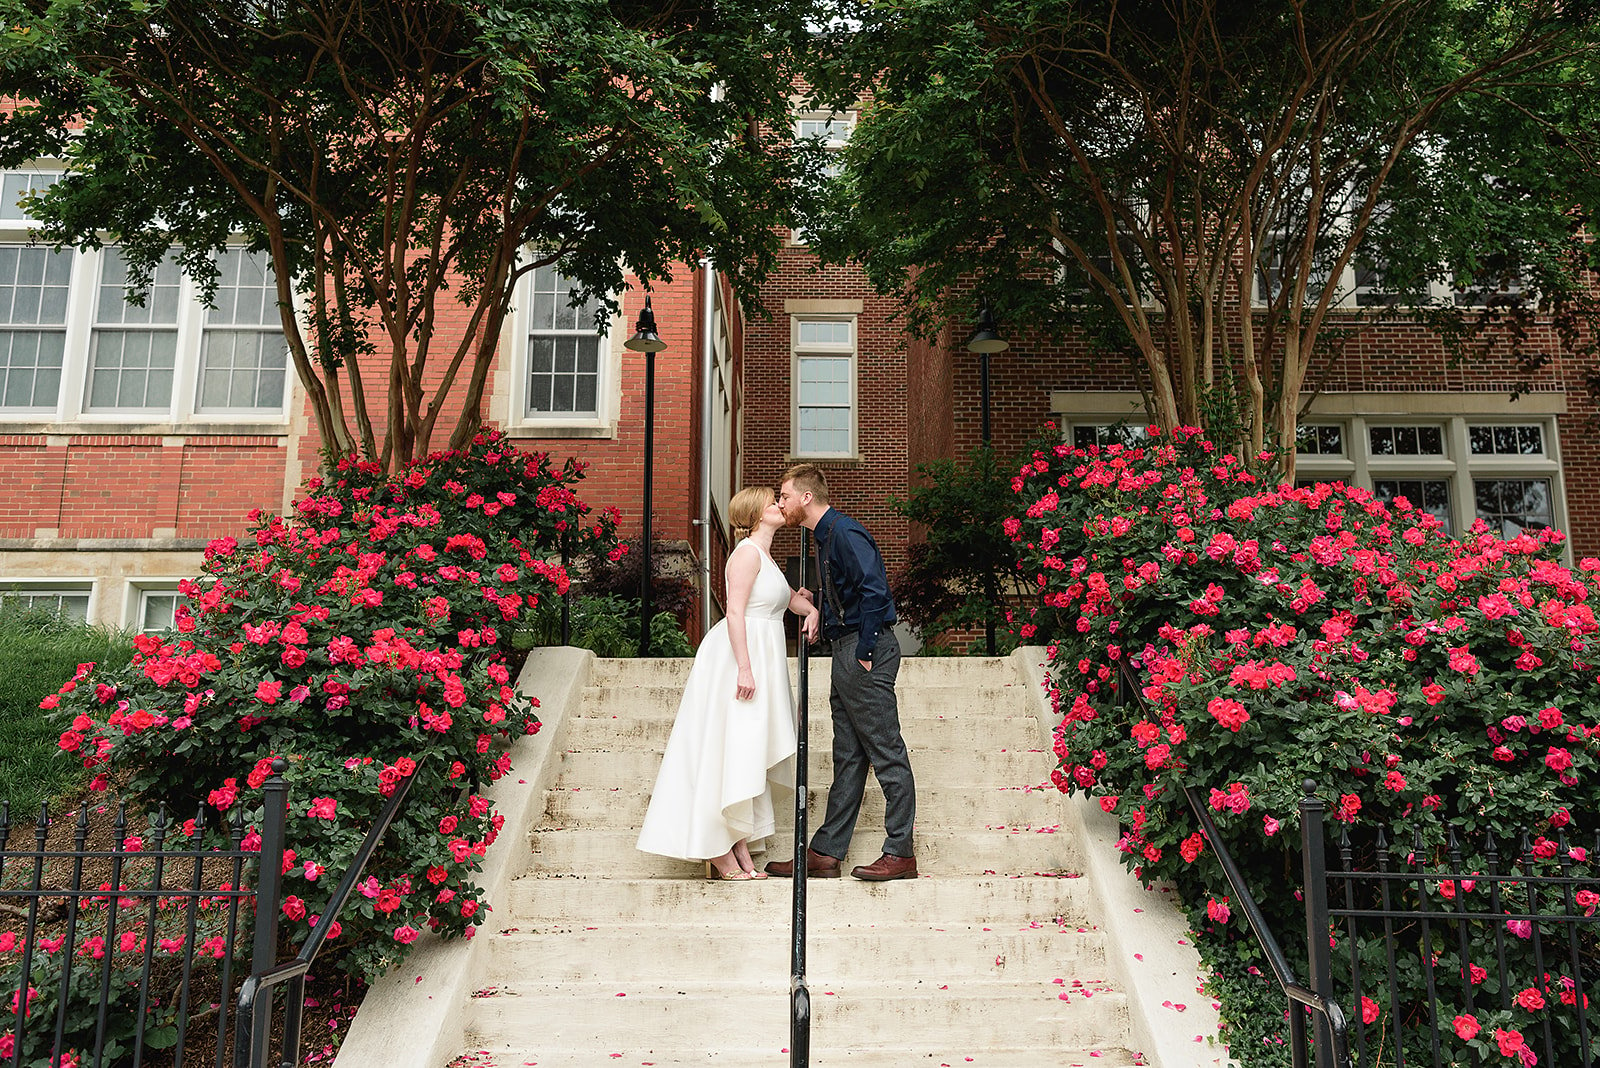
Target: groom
856, 616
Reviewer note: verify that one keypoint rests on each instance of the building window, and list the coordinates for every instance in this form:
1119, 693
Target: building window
832, 131
1093, 435
34, 286
1459, 469
1512, 505
824, 387
1405, 440
1431, 495
564, 350
133, 350
1515, 440
244, 359
69, 600
1320, 440
157, 610
72, 347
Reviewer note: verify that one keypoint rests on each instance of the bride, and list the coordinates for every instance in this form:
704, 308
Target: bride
734, 735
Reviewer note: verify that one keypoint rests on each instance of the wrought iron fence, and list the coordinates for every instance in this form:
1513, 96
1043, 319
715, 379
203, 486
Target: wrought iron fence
1462, 948
1447, 949
125, 952
122, 951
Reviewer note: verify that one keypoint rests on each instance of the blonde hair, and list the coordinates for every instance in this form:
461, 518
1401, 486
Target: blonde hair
808, 478
744, 511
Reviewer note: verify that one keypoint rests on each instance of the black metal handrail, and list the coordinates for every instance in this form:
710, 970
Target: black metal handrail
799, 993
253, 1037
1332, 1047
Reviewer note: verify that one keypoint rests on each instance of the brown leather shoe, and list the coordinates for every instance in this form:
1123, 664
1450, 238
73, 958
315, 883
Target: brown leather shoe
817, 866
885, 868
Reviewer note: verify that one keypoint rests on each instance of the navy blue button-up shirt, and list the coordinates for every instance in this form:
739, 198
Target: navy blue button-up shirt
859, 577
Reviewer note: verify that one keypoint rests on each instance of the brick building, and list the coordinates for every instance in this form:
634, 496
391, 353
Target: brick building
130, 436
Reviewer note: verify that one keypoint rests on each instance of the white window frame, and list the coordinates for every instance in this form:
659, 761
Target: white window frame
182, 409
55, 585
137, 594
848, 352
1457, 466
514, 358
837, 120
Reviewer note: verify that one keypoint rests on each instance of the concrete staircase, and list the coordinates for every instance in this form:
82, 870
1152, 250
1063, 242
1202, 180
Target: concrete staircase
604, 955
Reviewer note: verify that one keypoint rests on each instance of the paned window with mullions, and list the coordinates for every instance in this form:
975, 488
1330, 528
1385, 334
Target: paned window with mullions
133, 348
1431, 495
1325, 440
1512, 505
243, 354
822, 400
12, 187
157, 610
563, 349
1405, 440
1088, 435
1517, 440
68, 602
34, 286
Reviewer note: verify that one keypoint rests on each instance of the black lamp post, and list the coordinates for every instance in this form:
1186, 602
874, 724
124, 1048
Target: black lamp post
984, 340
646, 340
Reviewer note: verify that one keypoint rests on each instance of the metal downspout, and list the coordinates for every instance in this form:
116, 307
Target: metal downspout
707, 414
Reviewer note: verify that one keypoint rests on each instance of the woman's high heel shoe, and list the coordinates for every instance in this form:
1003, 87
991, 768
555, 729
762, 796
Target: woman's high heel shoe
738, 875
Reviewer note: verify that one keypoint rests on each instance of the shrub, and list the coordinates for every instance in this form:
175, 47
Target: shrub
34, 770
1215, 632
365, 640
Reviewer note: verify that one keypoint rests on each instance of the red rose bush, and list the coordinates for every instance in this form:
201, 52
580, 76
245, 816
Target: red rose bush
1215, 631
365, 640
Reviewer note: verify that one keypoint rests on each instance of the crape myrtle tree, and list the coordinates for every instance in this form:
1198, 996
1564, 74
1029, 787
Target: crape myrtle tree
1131, 168
405, 162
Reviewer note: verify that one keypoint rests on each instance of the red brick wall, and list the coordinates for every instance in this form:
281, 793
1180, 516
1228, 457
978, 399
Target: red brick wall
111, 486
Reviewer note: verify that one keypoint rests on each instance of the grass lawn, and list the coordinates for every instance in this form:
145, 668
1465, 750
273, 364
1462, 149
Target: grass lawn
41, 652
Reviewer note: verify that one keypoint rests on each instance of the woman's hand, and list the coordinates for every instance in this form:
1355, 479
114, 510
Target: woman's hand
745, 686
810, 624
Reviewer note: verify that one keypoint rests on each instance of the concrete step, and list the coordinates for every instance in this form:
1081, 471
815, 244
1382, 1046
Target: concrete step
866, 1015
920, 733
1000, 766
650, 953
925, 702
969, 732
914, 671
1006, 903
841, 1055
611, 853
967, 808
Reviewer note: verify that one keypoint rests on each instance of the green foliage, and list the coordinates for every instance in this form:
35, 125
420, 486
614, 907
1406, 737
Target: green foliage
1089, 163
364, 641
963, 575
1217, 633
397, 159
607, 625
49, 649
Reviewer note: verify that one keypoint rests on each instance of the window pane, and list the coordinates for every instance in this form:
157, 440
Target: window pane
1522, 439
1381, 439
1320, 441
564, 352
157, 609
1406, 440
819, 332
68, 603
1513, 505
132, 368
1431, 495
1482, 438
14, 185
33, 315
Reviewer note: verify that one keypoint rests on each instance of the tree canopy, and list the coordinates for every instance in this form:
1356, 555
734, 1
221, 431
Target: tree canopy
1131, 168
406, 161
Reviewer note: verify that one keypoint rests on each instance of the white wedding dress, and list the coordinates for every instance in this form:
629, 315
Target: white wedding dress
724, 755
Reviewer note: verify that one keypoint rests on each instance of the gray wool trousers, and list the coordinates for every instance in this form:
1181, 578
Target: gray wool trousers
866, 734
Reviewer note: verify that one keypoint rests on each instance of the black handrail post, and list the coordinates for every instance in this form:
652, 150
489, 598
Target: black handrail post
253, 1045
799, 993
1315, 862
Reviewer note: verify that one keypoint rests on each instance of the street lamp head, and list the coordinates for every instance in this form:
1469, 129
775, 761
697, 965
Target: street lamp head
986, 338
644, 337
